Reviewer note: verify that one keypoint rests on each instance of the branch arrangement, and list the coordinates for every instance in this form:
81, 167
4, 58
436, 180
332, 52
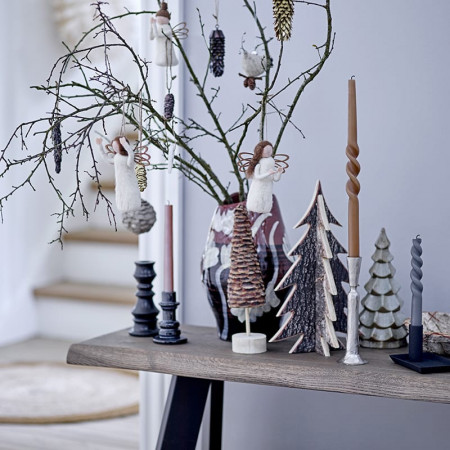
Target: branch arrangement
86, 96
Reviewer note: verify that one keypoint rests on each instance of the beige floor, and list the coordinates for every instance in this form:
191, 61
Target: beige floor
113, 434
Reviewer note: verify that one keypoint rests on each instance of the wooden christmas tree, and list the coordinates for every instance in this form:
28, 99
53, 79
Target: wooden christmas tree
380, 318
245, 283
315, 299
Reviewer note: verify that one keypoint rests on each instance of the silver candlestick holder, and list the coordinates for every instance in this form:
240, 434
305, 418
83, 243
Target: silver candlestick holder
352, 356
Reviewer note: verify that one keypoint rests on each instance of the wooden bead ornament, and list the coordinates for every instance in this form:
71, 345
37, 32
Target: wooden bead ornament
245, 283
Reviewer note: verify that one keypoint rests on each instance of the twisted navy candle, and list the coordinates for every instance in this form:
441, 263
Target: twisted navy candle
416, 284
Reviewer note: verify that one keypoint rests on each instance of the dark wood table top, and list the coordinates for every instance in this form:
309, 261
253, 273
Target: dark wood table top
206, 356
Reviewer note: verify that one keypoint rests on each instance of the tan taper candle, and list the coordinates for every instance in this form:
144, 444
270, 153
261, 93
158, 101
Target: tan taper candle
353, 169
168, 248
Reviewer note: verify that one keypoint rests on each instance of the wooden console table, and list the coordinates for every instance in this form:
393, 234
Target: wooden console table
206, 362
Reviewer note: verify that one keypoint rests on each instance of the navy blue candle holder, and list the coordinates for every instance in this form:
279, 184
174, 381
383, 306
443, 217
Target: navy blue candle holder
416, 359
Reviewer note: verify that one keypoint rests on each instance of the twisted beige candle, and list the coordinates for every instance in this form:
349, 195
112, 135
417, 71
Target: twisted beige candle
353, 168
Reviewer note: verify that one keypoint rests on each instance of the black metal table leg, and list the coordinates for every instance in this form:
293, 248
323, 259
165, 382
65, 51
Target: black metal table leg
215, 428
183, 413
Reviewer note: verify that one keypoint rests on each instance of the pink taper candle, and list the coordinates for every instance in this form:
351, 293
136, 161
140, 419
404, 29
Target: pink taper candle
168, 248
353, 169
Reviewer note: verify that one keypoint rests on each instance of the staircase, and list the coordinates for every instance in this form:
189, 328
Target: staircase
96, 292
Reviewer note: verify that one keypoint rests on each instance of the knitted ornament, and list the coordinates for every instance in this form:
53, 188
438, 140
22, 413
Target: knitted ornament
141, 175
283, 10
169, 103
57, 146
140, 220
217, 52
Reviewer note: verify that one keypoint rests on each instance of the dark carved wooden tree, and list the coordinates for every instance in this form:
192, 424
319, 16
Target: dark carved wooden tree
315, 301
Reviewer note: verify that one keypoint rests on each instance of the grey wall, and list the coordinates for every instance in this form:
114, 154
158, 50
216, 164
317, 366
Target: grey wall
398, 52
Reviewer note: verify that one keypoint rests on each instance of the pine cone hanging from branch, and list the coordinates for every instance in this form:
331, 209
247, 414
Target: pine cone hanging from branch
283, 10
141, 175
169, 103
57, 146
217, 52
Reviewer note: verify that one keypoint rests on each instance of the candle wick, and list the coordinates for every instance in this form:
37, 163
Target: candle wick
352, 77
418, 236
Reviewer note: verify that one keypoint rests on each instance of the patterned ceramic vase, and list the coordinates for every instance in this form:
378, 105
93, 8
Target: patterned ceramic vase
271, 243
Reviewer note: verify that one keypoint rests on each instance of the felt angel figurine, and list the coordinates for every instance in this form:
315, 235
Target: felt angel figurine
120, 153
161, 30
263, 169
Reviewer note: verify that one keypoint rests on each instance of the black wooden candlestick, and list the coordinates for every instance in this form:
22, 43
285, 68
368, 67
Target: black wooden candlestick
169, 332
416, 359
145, 311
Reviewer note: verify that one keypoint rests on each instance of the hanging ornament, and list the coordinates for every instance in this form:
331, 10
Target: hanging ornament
162, 32
263, 169
169, 103
283, 11
120, 153
217, 48
253, 65
141, 220
57, 145
140, 170
141, 175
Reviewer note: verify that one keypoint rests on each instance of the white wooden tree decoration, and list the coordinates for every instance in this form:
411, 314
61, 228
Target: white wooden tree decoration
245, 283
381, 322
315, 301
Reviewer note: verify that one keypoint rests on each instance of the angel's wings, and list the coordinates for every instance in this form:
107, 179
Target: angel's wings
246, 157
180, 30
141, 155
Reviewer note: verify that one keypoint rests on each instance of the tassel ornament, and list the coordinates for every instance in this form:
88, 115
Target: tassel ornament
57, 146
141, 175
217, 52
283, 10
169, 103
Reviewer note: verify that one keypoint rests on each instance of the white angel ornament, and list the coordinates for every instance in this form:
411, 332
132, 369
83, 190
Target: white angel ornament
263, 169
120, 153
161, 30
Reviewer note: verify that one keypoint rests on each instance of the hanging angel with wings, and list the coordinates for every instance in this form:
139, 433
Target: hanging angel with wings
162, 32
120, 153
263, 169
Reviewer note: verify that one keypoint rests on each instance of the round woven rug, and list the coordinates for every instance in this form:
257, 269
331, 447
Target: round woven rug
55, 393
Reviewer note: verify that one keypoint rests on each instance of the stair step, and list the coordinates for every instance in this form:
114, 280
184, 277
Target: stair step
118, 295
103, 235
107, 185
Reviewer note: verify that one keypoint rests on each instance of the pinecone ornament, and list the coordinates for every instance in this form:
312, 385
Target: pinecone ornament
217, 52
245, 283
169, 103
283, 11
141, 175
57, 146
140, 220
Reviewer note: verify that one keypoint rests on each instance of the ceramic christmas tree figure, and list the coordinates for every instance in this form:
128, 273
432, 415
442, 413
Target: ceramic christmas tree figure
315, 300
245, 283
381, 320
